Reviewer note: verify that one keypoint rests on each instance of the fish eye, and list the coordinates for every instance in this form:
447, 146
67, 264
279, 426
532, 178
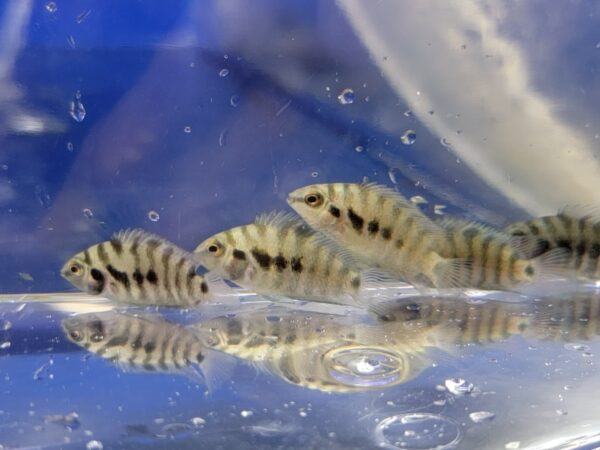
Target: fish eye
76, 335
76, 269
215, 248
314, 199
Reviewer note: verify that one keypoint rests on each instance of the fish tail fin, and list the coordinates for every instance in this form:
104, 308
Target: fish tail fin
549, 266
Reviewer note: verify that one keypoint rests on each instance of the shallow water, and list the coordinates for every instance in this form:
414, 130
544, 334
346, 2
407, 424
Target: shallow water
473, 385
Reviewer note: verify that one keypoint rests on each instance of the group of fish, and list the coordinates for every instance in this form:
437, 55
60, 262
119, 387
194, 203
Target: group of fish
346, 244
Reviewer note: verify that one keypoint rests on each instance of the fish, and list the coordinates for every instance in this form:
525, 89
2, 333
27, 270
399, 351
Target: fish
145, 344
578, 233
378, 226
491, 259
279, 255
141, 268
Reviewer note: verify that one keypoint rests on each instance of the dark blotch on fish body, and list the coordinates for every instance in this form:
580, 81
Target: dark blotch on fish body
356, 221
529, 271
386, 234
204, 287
470, 233
356, 282
239, 254
263, 259
335, 212
564, 243
149, 347
152, 277
280, 262
296, 265
373, 227
121, 277
138, 277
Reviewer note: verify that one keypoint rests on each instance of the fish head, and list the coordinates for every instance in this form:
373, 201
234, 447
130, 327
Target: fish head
317, 205
83, 276
214, 253
87, 330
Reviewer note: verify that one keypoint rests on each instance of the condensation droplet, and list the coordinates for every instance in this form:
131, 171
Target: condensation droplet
346, 97
51, 7
76, 108
223, 73
71, 41
246, 413
82, 16
418, 200
458, 386
94, 445
314, 174
418, 431
439, 209
70, 146
153, 216
359, 149
393, 174
408, 137
87, 212
481, 416
187, 129
234, 100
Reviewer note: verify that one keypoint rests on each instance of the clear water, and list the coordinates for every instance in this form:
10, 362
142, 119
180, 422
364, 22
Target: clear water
186, 118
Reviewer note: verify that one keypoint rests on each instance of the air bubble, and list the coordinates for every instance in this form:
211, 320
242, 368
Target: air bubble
458, 386
223, 138
314, 174
393, 174
481, 416
246, 413
576, 347
408, 137
87, 212
70, 146
5, 325
418, 431
153, 216
445, 142
51, 7
408, 113
4, 345
76, 108
71, 41
198, 421
418, 200
359, 149
234, 100
439, 209
346, 97
94, 445
187, 130
223, 73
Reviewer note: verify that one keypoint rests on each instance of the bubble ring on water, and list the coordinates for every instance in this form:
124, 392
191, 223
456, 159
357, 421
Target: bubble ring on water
344, 365
414, 419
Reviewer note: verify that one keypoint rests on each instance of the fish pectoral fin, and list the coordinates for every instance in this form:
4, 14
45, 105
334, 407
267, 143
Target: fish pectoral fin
451, 272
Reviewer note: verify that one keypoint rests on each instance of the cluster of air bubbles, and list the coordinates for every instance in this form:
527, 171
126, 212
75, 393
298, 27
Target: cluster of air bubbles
234, 100
458, 386
408, 137
76, 108
346, 97
481, 416
51, 7
153, 216
187, 129
223, 73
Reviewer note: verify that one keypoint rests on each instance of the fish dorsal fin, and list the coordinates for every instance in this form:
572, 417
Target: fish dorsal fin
388, 192
129, 235
279, 219
581, 212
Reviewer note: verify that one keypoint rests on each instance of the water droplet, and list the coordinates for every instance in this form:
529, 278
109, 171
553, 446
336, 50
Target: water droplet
346, 97
418, 200
439, 209
393, 175
87, 212
408, 137
418, 431
223, 73
481, 416
198, 421
82, 16
94, 445
4, 345
314, 174
576, 347
71, 41
359, 149
234, 100
223, 138
76, 108
51, 7
70, 146
5, 325
153, 216
365, 366
458, 386
246, 413
187, 129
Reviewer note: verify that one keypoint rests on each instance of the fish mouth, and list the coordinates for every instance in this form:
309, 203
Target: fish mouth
292, 198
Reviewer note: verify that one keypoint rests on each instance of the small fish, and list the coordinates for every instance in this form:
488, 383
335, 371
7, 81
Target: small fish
147, 344
486, 258
138, 267
280, 255
377, 225
577, 233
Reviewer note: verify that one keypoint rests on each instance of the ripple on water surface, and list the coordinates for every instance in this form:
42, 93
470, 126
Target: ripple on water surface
417, 431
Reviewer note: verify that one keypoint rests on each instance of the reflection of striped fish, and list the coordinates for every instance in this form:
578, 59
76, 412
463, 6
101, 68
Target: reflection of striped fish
138, 267
147, 344
580, 235
280, 255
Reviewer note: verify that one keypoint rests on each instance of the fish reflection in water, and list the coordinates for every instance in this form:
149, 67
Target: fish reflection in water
328, 352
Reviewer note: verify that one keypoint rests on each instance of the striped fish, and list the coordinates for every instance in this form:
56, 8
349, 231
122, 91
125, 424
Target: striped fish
490, 259
378, 226
140, 268
279, 255
579, 234
138, 343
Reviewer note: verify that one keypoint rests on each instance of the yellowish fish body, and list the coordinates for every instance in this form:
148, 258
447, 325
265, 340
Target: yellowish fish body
579, 235
140, 268
377, 225
279, 255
